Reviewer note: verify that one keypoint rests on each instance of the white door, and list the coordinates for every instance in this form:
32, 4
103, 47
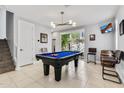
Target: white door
25, 42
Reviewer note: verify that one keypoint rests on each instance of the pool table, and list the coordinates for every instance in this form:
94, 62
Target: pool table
57, 60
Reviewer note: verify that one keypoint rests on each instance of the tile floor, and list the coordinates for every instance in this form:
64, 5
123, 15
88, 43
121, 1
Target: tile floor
31, 76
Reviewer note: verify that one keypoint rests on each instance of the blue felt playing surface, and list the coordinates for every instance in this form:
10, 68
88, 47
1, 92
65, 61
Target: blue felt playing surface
60, 54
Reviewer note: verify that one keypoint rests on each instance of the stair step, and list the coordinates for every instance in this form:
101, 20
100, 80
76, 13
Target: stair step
4, 46
3, 41
7, 69
6, 62
6, 58
6, 53
4, 50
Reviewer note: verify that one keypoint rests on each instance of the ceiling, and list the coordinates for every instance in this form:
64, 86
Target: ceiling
81, 14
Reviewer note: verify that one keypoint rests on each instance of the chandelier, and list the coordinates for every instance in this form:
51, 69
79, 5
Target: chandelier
70, 22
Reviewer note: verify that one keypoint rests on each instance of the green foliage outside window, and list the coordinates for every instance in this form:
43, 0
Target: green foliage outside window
75, 36
67, 38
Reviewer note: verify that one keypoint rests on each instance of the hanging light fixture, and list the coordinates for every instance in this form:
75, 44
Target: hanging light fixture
70, 22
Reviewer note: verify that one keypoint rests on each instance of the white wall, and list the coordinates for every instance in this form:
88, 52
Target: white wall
102, 42
2, 23
10, 30
40, 29
120, 41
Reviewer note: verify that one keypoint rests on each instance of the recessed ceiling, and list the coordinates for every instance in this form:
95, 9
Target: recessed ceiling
81, 14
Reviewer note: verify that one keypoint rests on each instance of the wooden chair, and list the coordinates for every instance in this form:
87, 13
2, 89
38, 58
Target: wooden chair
91, 51
109, 59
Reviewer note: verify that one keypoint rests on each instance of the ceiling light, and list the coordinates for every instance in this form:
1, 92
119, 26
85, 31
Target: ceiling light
70, 22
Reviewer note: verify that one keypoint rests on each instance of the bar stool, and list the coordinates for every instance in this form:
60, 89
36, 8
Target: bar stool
91, 51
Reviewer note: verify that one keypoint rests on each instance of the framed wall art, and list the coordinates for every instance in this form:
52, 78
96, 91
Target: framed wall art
92, 37
43, 38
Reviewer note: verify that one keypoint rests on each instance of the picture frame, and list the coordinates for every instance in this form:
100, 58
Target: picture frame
121, 27
92, 37
43, 38
44, 50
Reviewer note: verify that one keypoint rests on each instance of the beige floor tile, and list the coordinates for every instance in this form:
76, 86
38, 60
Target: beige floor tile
95, 83
51, 83
6, 82
108, 84
24, 83
36, 77
46, 82
32, 76
8, 85
3, 76
33, 85
18, 77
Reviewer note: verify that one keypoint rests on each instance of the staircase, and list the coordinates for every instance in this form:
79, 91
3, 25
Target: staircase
6, 61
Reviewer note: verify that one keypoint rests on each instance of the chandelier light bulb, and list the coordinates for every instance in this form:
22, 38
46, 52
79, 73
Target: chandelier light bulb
70, 21
74, 24
54, 26
51, 23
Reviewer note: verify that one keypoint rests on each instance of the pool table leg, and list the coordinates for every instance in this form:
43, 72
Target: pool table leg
46, 69
76, 62
57, 73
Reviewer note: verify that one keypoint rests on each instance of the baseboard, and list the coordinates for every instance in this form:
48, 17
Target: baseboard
17, 68
14, 59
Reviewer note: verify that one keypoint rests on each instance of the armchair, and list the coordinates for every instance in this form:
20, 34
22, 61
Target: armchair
109, 59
